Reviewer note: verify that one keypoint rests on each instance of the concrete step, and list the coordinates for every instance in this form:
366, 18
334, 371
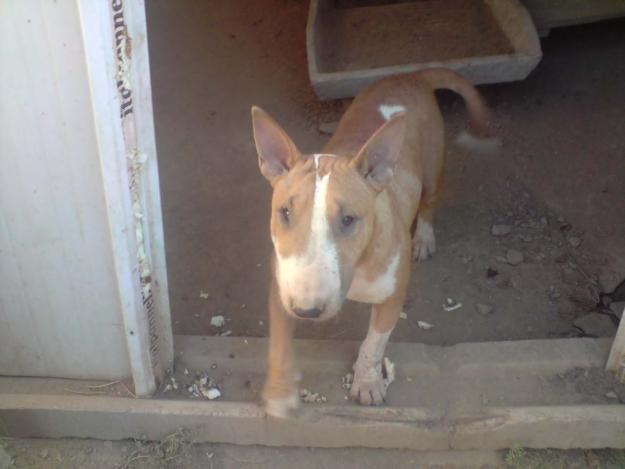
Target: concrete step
541, 393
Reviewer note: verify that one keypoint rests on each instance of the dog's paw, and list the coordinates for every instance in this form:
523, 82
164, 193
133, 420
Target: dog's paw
369, 389
423, 248
424, 241
280, 407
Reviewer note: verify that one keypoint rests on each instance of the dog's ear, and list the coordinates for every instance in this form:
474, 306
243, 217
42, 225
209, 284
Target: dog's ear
378, 157
276, 151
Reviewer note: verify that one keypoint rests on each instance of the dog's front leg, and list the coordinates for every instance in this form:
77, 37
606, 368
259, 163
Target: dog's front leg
368, 387
280, 391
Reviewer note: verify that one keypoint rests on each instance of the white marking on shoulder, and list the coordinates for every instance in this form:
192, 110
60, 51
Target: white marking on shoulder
376, 290
389, 110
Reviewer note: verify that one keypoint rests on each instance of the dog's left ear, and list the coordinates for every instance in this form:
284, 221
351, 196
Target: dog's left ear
378, 157
276, 151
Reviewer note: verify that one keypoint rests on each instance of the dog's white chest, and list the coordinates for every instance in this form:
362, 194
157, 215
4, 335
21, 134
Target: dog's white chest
375, 290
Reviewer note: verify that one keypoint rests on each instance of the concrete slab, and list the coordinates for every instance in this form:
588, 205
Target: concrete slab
549, 393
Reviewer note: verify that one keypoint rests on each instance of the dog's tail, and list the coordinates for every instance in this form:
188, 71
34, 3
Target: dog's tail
480, 133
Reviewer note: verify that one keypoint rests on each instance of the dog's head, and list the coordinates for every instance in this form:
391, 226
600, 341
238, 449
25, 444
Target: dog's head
322, 213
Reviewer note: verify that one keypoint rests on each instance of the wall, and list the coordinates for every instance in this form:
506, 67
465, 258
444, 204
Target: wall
59, 294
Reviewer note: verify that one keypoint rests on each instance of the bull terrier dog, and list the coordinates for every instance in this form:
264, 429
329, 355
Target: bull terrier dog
341, 219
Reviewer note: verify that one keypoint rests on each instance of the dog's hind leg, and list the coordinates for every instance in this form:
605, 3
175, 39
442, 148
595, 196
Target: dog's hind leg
424, 241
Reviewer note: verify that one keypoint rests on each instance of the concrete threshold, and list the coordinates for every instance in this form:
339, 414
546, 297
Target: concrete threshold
480, 396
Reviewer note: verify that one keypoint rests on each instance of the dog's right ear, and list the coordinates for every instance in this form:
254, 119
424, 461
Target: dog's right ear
276, 151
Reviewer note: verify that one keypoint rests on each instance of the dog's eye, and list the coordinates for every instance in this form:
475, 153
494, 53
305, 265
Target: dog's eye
347, 221
285, 214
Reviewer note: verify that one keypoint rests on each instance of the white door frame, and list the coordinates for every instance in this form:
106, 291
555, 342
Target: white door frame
115, 40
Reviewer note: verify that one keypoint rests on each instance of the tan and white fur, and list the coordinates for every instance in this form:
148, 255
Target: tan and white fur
341, 219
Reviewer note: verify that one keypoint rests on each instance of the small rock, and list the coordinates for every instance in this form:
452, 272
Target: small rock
596, 325
403, 315
312, 397
609, 280
226, 333
500, 230
204, 295
514, 257
451, 305
328, 128
611, 395
484, 309
425, 325
211, 393
217, 321
45, 453
574, 241
617, 308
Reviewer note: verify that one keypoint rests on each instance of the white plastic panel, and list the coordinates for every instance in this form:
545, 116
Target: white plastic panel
59, 296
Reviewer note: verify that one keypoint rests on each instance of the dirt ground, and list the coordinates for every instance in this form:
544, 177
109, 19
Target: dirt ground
177, 452
557, 183
372, 37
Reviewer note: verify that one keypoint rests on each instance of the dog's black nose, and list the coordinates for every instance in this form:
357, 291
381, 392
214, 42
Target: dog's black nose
307, 313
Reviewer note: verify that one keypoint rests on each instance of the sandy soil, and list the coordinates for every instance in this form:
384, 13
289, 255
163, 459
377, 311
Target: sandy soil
381, 36
557, 181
